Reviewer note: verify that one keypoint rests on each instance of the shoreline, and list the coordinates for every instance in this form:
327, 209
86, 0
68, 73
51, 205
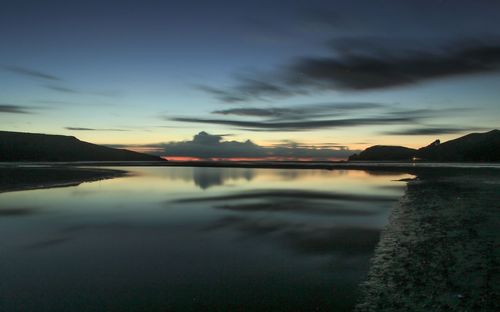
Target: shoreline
441, 248
260, 164
31, 178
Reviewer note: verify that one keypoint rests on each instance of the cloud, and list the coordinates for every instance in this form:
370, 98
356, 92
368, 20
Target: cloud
294, 144
433, 131
321, 116
225, 96
363, 69
54, 102
207, 146
300, 111
93, 129
152, 149
300, 125
62, 89
259, 112
30, 73
55, 87
14, 109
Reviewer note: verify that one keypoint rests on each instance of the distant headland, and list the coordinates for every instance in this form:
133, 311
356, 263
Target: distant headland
474, 147
35, 147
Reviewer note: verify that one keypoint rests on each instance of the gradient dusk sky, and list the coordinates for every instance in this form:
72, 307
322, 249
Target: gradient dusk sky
305, 79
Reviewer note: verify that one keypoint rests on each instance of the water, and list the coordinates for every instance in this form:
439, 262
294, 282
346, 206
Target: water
181, 239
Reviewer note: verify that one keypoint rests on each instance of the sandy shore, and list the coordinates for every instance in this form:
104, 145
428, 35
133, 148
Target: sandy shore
441, 249
28, 178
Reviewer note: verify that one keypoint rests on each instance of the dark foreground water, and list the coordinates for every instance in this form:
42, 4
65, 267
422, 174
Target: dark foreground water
181, 239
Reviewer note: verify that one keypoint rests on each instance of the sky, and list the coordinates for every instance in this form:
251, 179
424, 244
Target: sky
307, 80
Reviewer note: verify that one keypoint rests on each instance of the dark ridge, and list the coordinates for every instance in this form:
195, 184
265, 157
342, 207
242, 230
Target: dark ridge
474, 147
471, 147
18, 146
384, 152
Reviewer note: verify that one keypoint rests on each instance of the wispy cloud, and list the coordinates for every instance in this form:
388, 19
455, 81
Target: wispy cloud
15, 109
30, 72
93, 129
56, 81
68, 90
301, 125
298, 112
295, 144
225, 96
56, 102
322, 116
62, 89
433, 130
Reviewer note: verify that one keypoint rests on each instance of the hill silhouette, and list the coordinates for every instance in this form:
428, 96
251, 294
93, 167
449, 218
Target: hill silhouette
19, 146
385, 152
471, 147
479, 147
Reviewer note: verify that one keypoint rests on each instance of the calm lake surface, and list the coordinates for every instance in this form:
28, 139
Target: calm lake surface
181, 239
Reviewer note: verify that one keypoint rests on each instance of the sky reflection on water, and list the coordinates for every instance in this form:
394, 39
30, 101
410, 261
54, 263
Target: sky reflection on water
175, 238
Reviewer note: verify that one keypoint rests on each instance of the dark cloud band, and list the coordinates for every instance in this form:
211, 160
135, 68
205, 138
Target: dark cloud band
300, 111
14, 109
300, 125
372, 68
433, 130
92, 129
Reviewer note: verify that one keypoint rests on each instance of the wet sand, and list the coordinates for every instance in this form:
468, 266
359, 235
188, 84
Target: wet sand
441, 249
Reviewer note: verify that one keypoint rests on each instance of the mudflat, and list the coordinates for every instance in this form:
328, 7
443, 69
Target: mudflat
441, 249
